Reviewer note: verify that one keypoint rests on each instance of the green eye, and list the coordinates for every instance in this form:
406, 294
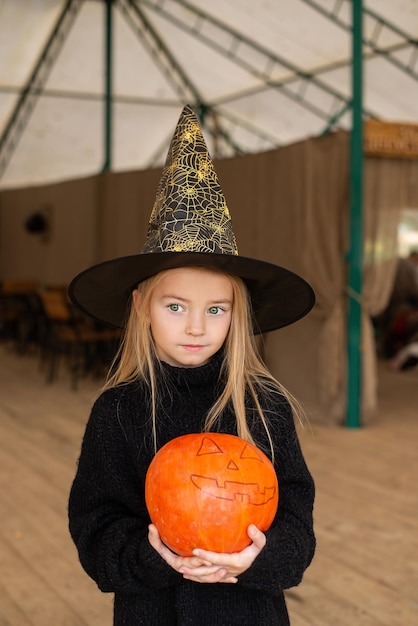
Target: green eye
174, 307
214, 310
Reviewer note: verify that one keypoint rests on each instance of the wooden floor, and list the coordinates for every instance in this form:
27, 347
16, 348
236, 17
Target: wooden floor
365, 572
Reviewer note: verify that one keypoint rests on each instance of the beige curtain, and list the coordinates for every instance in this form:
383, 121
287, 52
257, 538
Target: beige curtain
124, 206
390, 186
288, 206
291, 207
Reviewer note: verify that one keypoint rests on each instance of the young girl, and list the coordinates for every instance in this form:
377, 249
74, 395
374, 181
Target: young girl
188, 363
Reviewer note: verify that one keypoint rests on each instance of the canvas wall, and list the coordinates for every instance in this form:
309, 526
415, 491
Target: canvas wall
288, 206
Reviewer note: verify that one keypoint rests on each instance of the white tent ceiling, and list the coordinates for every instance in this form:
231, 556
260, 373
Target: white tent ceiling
265, 73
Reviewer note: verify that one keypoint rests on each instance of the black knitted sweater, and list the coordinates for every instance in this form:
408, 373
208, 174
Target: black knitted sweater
109, 519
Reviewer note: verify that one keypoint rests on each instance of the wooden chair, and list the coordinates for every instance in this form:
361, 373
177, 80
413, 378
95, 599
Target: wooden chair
18, 312
84, 344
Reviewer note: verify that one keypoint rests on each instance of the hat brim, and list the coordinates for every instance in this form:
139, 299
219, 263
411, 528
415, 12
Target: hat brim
279, 297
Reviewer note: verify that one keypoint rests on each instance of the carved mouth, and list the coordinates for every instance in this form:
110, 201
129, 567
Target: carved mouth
247, 493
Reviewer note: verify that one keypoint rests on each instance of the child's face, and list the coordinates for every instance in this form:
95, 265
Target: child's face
190, 315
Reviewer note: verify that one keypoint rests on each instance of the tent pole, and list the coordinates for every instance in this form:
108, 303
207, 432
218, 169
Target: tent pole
355, 259
108, 89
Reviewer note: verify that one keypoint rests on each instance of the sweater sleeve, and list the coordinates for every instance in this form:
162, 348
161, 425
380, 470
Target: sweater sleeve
108, 520
290, 542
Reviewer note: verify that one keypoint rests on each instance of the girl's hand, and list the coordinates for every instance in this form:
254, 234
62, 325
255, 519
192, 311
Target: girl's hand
180, 563
229, 566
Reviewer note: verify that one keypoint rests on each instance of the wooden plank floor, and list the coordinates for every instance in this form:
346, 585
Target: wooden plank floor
365, 572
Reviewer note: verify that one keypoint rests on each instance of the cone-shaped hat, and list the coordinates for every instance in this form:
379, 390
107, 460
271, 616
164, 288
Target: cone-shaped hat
190, 212
190, 225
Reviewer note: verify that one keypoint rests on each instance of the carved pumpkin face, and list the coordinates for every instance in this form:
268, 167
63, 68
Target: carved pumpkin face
203, 491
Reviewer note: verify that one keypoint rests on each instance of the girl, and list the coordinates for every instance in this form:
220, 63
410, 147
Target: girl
188, 363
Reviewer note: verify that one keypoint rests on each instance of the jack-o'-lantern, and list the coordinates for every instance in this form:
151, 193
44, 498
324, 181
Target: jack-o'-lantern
203, 490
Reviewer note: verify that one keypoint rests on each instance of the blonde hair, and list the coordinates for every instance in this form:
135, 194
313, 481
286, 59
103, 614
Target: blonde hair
244, 369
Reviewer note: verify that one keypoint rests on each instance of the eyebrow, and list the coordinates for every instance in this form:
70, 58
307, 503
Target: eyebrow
217, 301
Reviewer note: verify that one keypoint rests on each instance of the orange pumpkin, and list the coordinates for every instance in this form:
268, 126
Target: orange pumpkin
203, 491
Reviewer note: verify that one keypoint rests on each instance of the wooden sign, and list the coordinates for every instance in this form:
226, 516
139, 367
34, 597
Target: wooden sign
390, 139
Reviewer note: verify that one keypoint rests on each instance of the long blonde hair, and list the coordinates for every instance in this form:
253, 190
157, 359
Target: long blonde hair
244, 369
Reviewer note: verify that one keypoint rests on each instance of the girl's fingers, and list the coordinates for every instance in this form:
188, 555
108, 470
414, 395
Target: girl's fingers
219, 575
257, 536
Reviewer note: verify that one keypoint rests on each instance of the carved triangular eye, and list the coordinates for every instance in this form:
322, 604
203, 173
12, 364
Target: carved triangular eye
208, 446
250, 453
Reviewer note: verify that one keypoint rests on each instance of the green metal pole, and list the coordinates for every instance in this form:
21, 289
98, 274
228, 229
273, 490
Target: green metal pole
108, 90
355, 258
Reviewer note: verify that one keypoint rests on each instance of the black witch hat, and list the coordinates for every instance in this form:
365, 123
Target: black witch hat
190, 225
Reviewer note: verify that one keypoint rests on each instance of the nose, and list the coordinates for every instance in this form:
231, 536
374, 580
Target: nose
195, 324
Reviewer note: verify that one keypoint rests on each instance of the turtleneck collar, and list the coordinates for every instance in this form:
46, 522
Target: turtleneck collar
190, 376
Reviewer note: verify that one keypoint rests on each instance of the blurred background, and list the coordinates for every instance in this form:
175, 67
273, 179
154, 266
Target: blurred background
309, 112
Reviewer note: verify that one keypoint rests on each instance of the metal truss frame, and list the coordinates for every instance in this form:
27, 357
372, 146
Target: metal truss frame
298, 85
34, 86
173, 72
377, 25
234, 45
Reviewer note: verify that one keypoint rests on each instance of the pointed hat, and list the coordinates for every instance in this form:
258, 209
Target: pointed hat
190, 225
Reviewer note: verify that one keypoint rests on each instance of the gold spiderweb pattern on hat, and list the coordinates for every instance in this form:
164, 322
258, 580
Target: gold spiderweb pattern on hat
190, 212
